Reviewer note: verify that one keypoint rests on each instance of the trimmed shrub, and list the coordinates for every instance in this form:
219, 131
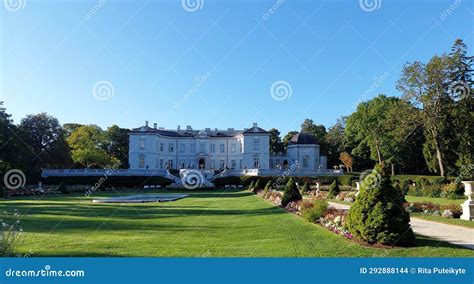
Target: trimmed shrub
257, 185
268, 186
62, 188
345, 179
223, 181
378, 214
251, 186
452, 191
305, 188
316, 211
334, 189
291, 193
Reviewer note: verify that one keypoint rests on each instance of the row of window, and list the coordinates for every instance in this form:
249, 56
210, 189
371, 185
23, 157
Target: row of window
162, 164
182, 147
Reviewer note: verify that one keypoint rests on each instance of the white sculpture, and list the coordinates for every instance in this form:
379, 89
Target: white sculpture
468, 205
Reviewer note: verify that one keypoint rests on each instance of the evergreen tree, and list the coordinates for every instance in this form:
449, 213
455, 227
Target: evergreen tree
291, 193
334, 189
378, 214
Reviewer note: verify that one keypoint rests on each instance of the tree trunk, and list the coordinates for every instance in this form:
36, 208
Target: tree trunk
393, 169
379, 156
439, 156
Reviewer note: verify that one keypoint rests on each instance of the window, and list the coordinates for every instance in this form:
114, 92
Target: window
241, 148
213, 164
232, 148
213, 148
142, 143
141, 161
271, 163
240, 163
170, 164
161, 147
203, 147
233, 164
181, 164
191, 164
305, 161
256, 164
171, 148
156, 163
193, 148
161, 163
222, 164
256, 144
182, 148
222, 146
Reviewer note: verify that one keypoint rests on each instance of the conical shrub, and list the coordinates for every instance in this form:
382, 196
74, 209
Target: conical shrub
334, 189
291, 193
378, 215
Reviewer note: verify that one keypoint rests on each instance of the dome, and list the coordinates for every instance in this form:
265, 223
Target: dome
303, 138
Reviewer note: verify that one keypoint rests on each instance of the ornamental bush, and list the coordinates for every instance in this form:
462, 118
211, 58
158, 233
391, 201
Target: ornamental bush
334, 189
268, 186
316, 211
251, 186
378, 214
291, 193
305, 188
257, 185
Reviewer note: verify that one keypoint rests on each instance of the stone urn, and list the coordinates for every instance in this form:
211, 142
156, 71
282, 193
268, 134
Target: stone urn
468, 205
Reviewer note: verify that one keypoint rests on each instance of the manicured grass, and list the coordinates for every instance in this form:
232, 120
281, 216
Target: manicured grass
458, 222
207, 224
441, 201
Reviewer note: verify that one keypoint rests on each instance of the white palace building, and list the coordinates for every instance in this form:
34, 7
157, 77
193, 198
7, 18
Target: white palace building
155, 151
241, 152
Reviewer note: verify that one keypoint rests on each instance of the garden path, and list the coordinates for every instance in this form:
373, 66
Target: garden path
450, 233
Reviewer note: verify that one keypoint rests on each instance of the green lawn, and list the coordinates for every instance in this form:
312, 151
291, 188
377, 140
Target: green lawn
441, 201
207, 224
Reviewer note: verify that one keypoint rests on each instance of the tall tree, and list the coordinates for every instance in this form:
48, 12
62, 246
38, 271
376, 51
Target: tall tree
117, 144
366, 127
276, 145
89, 144
8, 139
425, 86
335, 140
318, 131
462, 94
347, 160
287, 138
43, 144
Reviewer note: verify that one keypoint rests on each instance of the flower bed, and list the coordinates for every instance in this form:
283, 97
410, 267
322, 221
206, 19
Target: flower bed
428, 208
333, 219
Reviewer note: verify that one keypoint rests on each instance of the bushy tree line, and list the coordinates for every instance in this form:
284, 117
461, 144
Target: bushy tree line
40, 141
426, 129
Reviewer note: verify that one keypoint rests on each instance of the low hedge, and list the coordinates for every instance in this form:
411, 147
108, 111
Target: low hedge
115, 181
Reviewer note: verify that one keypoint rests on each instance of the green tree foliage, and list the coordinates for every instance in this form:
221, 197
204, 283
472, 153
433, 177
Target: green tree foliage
9, 147
276, 145
378, 215
291, 193
88, 144
43, 144
318, 131
287, 138
335, 140
117, 144
334, 189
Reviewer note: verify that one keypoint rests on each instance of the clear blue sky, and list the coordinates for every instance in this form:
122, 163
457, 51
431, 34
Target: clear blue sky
332, 53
